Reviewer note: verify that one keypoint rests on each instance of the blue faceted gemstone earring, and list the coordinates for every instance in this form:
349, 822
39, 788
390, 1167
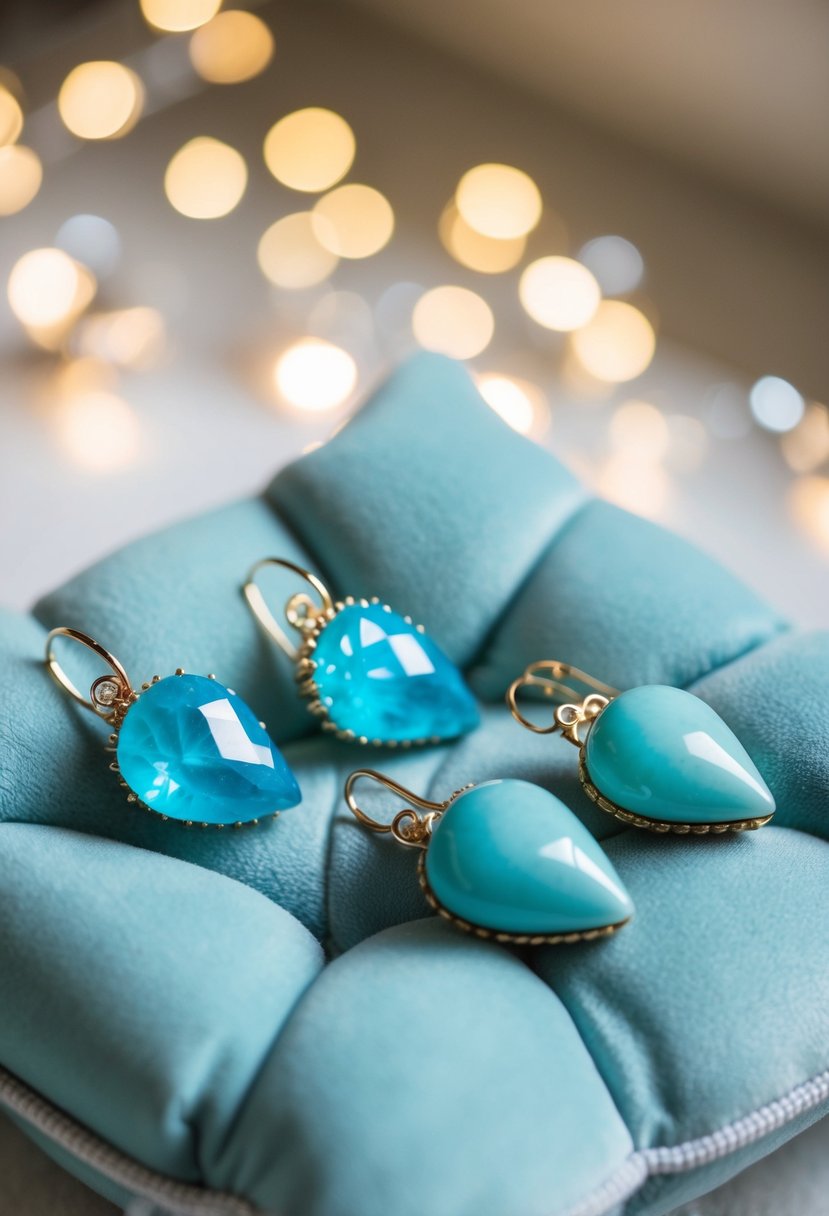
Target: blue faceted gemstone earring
186, 747
371, 675
656, 757
505, 860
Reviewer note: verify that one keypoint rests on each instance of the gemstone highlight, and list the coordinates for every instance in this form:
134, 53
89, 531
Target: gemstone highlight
511, 857
664, 754
191, 749
380, 677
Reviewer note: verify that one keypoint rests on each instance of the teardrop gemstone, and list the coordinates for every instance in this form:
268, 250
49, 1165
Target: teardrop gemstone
381, 678
664, 754
511, 857
191, 749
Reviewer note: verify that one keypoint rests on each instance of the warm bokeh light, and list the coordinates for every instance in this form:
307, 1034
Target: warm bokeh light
310, 149
353, 221
232, 47
11, 117
499, 201
617, 344
559, 293
205, 179
178, 15
92, 240
20, 176
98, 431
639, 427
776, 404
290, 254
44, 288
454, 321
101, 100
807, 446
616, 264
126, 337
638, 485
485, 254
315, 375
521, 405
809, 505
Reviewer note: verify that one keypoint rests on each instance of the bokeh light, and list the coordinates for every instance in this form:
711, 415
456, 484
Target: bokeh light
353, 221
233, 46
687, 443
559, 293
618, 344
809, 505
205, 179
638, 485
315, 375
21, 174
486, 254
177, 15
11, 117
290, 254
499, 201
310, 150
641, 428
615, 263
776, 404
44, 288
92, 240
98, 431
100, 100
521, 405
454, 321
727, 412
806, 447
125, 337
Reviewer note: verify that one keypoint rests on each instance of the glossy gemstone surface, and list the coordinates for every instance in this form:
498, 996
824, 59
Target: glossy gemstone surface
380, 677
193, 750
513, 858
664, 754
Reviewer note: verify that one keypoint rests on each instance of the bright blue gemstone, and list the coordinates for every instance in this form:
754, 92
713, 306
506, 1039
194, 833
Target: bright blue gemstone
380, 677
193, 750
511, 857
664, 754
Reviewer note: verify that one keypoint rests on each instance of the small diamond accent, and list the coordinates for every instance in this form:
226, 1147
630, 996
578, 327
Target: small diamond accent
106, 693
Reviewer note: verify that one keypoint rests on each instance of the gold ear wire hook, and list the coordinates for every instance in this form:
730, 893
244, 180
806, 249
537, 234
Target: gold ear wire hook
299, 610
106, 691
407, 826
553, 685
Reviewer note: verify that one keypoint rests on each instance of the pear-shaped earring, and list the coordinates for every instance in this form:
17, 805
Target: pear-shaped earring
505, 860
371, 675
656, 757
185, 747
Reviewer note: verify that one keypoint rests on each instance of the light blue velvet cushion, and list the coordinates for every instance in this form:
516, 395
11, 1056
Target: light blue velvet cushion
167, 989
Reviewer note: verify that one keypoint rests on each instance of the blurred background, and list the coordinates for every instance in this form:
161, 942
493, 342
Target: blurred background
222, 226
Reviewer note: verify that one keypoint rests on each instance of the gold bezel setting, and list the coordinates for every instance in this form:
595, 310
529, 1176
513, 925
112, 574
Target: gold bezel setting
306, 665
512, 939
663, 826
119, 707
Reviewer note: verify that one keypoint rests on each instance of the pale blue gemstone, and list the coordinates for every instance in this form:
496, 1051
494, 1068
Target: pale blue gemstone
383, 679
664, 754
193, 750
511, 857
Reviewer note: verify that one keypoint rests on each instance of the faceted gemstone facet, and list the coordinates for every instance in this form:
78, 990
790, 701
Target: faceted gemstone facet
380, 677
664, 754
193, 750
511, 857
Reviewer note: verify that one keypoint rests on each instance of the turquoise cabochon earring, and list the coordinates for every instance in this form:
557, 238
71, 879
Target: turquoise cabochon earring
185, 747
370, 674
505, 860
656, 757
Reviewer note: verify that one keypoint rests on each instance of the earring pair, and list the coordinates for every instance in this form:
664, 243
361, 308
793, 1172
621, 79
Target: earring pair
190, 749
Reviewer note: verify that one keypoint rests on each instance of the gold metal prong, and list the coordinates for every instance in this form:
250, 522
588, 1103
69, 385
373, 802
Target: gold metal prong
179, 671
